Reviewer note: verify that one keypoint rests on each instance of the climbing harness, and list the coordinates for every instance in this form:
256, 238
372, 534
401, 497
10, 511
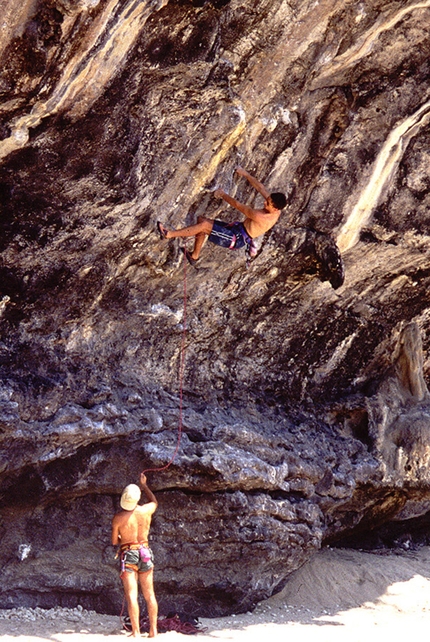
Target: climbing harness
143, 563
250, 248
181, 378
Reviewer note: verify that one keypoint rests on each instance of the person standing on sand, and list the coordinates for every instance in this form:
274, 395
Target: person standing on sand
232, 235
130, 530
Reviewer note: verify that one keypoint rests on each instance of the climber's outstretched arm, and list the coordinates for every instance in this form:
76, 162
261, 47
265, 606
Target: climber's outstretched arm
254, 182
245, 209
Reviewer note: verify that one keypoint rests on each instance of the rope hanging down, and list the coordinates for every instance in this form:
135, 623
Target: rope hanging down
181, 378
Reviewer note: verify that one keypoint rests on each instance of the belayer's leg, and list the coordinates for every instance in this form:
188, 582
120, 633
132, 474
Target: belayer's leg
129, 581
147, 586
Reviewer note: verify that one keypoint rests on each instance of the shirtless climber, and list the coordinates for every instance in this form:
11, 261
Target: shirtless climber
232, 235
130, 528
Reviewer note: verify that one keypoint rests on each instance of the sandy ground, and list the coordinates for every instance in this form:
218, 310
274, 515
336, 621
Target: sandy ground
340, 595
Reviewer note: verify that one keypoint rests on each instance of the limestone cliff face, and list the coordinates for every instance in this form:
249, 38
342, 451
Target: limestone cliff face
305, 404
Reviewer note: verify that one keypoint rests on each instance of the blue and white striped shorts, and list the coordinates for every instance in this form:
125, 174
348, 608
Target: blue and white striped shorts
231, 235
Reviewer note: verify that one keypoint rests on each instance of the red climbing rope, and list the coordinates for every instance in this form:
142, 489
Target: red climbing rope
181, 377
178, 623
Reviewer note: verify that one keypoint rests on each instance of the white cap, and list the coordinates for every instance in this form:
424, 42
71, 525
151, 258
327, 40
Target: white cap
130, 496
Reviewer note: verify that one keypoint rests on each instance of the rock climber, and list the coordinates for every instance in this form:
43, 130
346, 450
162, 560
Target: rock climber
232, 235
130, 529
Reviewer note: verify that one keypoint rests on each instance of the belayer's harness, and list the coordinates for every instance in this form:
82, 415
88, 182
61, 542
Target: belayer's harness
144, 554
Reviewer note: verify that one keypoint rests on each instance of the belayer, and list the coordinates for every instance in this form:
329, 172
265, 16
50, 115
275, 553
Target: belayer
232, 235
130, 530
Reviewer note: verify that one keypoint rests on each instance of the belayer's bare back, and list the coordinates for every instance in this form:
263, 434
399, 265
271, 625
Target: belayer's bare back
133, 526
